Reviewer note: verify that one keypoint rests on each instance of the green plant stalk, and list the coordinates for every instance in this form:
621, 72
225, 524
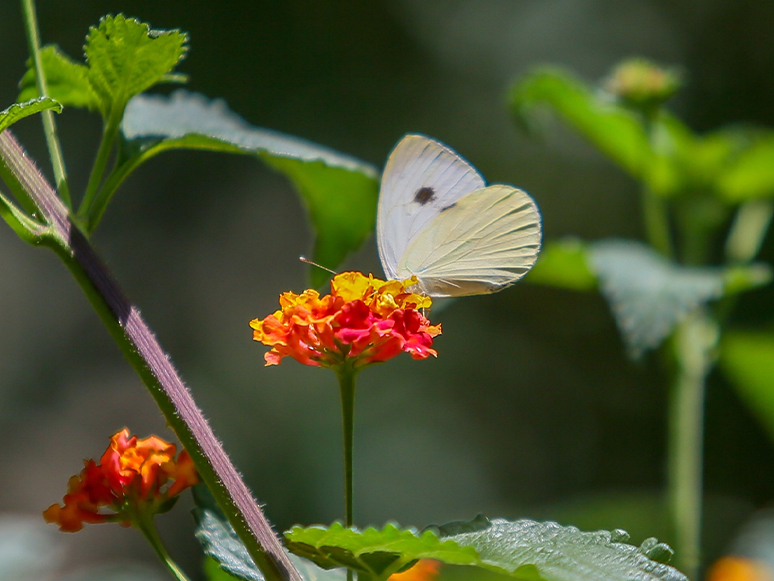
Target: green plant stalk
346, 375
49, 125
141, 349
693, 346
86, 210
145, 524
656, 221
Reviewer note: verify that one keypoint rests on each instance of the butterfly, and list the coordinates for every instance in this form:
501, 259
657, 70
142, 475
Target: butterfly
439, 221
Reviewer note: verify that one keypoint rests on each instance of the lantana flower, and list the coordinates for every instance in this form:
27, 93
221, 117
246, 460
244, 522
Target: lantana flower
364, 320
422, 570
135, 479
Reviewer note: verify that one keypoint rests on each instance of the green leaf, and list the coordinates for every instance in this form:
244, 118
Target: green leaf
550, 551
126, 57
751, 174
648, 294
220, 542
524, 549
563, 264
748, 360
672, 161
339, 191
616, 131
377, 553
21, 110
67, 80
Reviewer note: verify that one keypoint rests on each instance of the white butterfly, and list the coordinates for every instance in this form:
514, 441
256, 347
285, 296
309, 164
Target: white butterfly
437, 220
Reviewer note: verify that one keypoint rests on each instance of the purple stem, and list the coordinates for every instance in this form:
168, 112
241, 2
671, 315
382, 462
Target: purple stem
143, 351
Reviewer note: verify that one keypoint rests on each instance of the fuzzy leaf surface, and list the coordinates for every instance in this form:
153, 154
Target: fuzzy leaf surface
648, 294
19, 111
339, 191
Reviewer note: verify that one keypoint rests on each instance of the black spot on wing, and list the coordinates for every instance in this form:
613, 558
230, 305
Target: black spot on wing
424, 195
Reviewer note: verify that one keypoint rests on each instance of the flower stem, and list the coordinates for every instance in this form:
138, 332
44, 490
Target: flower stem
148, 529
49, 125
346, 375
693, 346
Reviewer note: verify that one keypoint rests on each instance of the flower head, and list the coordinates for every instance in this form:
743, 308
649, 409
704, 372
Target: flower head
364, 320
641, 83
422, 570
134, 478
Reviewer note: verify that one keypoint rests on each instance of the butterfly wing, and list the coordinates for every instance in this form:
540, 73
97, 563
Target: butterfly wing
420, 179
486, 241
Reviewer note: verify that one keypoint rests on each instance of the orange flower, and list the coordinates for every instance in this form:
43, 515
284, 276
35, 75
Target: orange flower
130, 481
733, 568
423, 570
364, 320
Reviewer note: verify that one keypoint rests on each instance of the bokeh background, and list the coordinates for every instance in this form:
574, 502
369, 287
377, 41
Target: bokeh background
531, 409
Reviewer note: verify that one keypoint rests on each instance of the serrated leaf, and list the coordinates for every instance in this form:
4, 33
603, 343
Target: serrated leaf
19, 111
747, 359
533, 550
375, 552
648, 294
340, 191
67, 80
126, 57
524, 549
563, 264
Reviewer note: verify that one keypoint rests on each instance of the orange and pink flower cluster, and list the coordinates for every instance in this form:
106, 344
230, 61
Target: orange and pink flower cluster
134, 477
364, 320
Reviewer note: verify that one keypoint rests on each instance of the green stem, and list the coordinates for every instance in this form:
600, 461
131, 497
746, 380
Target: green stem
148, 529
654, 208
656, 219
346, 375
90, 199
693, 344
49, 125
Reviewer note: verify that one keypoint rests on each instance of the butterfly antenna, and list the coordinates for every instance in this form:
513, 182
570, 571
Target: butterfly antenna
305, 259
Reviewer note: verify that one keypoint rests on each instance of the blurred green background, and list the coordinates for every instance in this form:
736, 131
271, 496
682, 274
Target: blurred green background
531, 409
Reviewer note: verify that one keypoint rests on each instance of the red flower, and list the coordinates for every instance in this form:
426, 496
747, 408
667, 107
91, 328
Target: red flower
364, 320
133, 479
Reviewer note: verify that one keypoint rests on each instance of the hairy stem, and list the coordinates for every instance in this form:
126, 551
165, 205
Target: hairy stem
142, 350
